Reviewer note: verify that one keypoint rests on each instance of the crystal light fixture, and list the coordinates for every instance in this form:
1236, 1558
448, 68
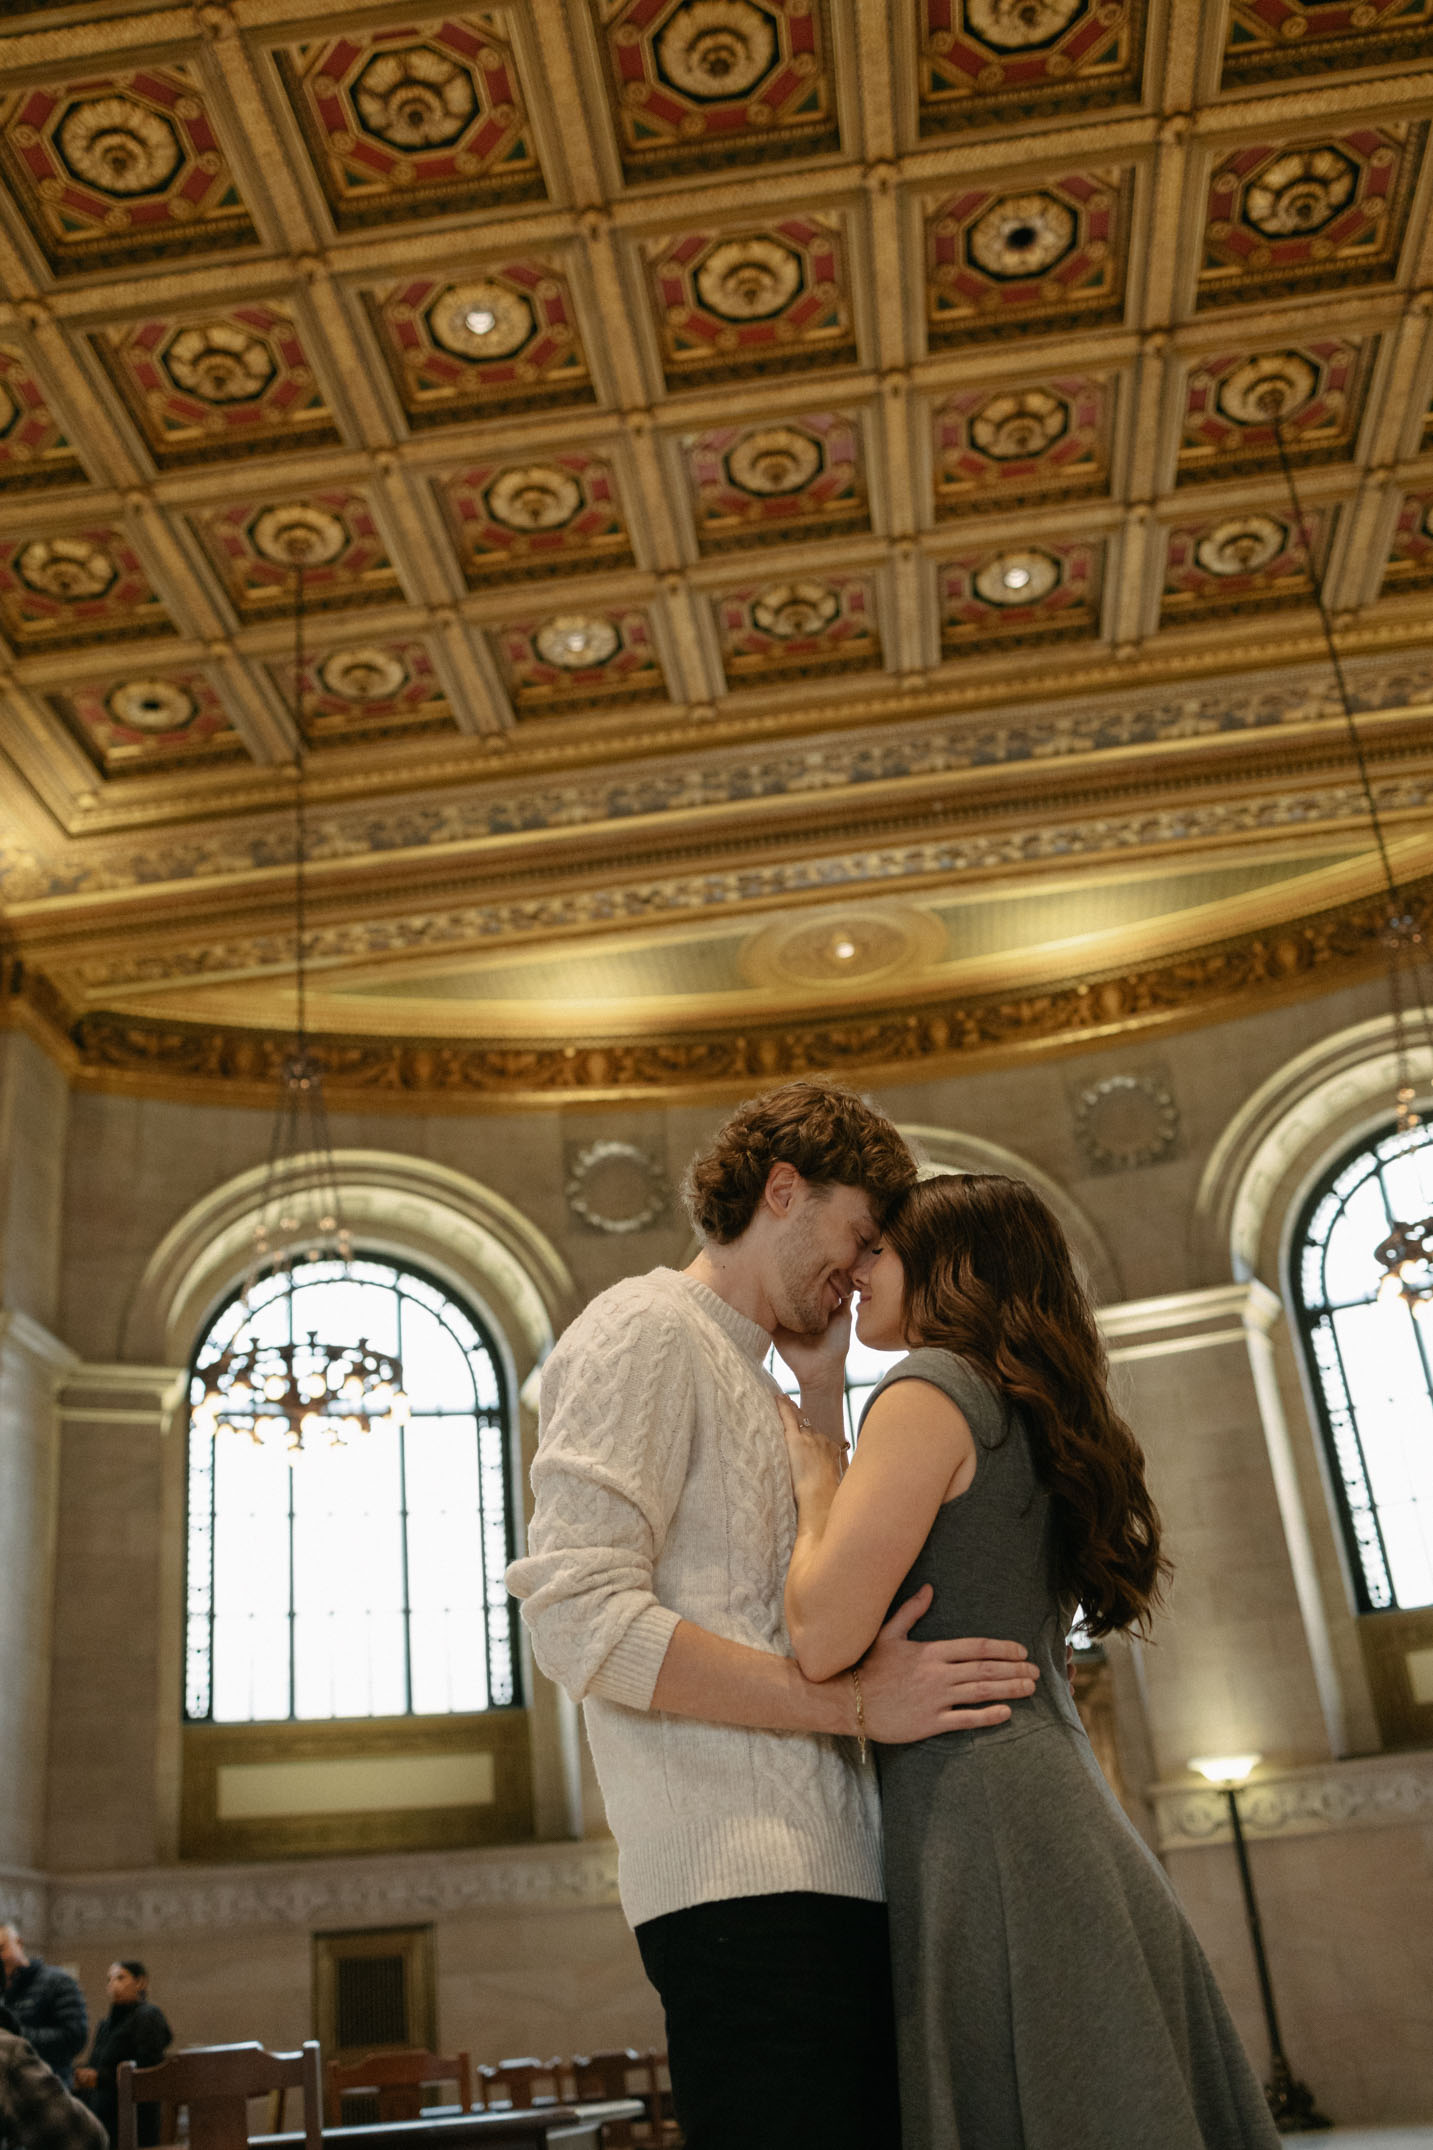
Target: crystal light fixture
1405, 1256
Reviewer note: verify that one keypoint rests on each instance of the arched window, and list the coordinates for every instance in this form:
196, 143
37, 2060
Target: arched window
364, 1580
1370, 1361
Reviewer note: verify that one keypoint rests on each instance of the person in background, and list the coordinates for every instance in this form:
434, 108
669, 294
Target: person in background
133, 2030
47, 2001
36, 2110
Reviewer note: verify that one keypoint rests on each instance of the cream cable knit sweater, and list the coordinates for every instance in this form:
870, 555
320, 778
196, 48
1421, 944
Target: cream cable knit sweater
663, 1492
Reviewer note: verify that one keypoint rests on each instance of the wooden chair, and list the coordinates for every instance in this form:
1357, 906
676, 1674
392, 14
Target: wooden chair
624, 2073
520, 2084
216, 2083
396, 2081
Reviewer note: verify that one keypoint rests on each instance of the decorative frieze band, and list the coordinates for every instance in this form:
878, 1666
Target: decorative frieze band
1373, 1792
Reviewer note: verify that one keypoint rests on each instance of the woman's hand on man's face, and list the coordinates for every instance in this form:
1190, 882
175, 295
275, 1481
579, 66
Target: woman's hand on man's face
817, 1461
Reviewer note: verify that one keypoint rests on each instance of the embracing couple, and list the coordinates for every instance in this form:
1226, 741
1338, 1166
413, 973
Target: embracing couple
965, 1946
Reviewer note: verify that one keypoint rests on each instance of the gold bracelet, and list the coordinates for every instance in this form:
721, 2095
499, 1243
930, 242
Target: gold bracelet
861, 1747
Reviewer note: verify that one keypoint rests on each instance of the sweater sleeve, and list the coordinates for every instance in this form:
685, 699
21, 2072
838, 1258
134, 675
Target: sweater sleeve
615, 1430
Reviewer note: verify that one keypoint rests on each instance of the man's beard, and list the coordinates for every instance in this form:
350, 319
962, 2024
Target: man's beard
801, 1305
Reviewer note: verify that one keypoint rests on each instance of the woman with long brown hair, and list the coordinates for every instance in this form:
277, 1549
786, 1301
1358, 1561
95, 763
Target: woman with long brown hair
1050, 1993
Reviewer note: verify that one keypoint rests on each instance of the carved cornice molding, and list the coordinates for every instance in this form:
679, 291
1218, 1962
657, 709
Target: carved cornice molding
25, 1898
1328, 949
1376, 1792
321, 1892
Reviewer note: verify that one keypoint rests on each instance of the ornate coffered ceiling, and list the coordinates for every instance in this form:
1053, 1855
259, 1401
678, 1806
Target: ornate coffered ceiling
745, 455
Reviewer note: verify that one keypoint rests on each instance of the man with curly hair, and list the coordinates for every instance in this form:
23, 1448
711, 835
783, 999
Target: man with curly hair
744, 1808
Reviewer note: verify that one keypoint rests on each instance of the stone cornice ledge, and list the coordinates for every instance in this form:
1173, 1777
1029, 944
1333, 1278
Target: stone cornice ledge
1325, 1798
332, 1892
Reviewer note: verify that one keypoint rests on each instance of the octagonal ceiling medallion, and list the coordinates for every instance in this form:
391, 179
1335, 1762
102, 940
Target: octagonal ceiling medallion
355, 691
1319, 387
256, 545
33, 450
1019, 594
1007, 446
222, 384
1410, 559
119, 168
798, 627
985, 60
503, 339
701, 85
795, 477
1266, 38
149, 722
1045, 256
414, 121
554, 514
731, 304
564, 662
75, 585
1308, 215
1246, 560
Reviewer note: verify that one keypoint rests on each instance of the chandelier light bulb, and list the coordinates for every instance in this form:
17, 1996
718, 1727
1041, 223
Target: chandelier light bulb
480, 321
1015, 578
843, 948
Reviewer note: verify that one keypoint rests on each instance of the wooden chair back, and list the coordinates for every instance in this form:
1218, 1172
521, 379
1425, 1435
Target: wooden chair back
520, 2084
397, 2082
216, 2083
625, 2073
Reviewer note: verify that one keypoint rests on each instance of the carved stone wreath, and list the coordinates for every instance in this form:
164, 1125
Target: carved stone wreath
418, 98
1125, 1121
151, 705
363, 674
118, 146
219, 364
620, 1163
1241, 546
1016, 25
1017, 578
789, 609
749, 279
481, 320
1300, 192
534, 497
574, 641
778, 459
297, 535
717, 49
68, 568
1023, 235
1019, 422
1248, 393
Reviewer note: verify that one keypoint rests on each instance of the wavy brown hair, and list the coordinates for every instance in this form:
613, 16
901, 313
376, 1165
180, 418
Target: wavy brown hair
831, 1136
989, 1275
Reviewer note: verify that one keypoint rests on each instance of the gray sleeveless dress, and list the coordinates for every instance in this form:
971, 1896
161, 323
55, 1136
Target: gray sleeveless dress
1050, 1993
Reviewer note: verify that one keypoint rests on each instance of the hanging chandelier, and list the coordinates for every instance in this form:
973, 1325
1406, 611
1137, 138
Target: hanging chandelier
1405, 1256
298, 1394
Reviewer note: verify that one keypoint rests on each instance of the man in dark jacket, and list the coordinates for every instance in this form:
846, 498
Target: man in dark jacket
49, 2004
133, 2030
36, 2110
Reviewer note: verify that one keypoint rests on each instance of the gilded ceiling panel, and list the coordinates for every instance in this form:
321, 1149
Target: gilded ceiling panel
1267, 38
73, 586
119, 168
1250, 561
256, 545
1008, 446
987, 60
1410, 562
33, 449
798, 628
359, 691
1309, 215
160, 721
1047, 255
503, 339
1042, 592
1317, 388
732, 304
703, 85
419, 120
557, 514
801, 476
563, 663
220, 384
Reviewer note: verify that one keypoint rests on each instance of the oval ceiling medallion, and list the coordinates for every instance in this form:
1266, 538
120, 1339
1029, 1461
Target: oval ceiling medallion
574, 641
119, 146
1017, 578
1024, 235
749, 279
1241, 546
778, 459
1015, 25
1300, 192
480, 320
717, 48
789, 609
297, 535
616, 1187
70, 568
1019, 423
418, 98
536, 497
853, 944
151, 705
1277, 384
219, 363
364, 674
1124, 1121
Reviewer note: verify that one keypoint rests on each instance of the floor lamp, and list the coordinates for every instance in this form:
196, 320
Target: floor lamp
1290, 2101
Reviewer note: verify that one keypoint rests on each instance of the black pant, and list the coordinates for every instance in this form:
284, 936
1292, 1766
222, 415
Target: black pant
780, 2032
